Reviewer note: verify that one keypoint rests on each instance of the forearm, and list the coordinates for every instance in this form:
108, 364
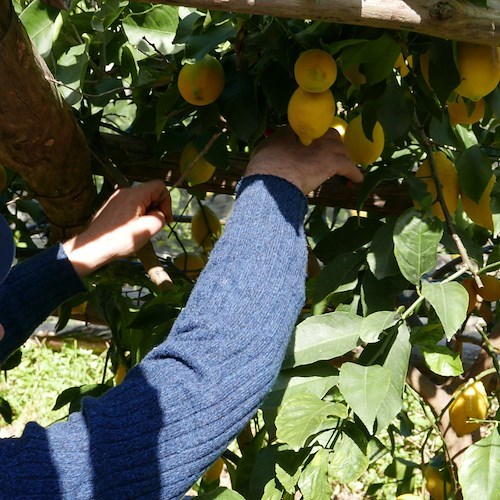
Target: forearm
31, 291
180, 408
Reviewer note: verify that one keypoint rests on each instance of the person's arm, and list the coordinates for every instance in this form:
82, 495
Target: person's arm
176, 411
35, 287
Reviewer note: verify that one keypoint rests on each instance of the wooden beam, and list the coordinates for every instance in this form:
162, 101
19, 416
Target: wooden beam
132, 156
451, 19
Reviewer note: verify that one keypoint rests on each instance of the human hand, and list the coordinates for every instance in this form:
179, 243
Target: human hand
283, 155
125, 223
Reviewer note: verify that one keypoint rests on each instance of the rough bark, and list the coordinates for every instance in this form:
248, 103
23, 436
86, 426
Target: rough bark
452, 19
39, 136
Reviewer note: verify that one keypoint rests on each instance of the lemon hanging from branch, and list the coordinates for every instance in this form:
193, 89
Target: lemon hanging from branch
362, 150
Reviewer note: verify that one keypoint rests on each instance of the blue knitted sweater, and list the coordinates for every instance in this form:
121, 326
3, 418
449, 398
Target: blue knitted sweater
156, 433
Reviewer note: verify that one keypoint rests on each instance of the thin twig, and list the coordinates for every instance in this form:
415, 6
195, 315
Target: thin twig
424, 140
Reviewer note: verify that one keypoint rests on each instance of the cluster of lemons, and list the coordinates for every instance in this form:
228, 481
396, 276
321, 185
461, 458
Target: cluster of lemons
312, 109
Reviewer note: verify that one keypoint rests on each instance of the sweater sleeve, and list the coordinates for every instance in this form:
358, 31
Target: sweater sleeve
31, 291
155, 434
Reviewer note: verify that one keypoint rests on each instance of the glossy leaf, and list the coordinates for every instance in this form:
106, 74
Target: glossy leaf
71, 68
474, 172
450, 301
374, 324
313, 482
380, 258
415, 244
364, 388
316, 379
221, 493
323, 337
42, 23
479, 472
443, 361
303, 416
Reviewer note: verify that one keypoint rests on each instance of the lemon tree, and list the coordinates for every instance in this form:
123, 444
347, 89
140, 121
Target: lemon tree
405, 278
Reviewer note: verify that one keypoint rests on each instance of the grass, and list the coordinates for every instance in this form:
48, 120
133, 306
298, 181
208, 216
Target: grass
32, 387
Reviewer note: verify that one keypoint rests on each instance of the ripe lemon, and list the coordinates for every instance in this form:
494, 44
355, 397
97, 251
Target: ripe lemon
189, 263
354, 75
470, 285
434, 483
490, 290
460, 114
310, 114
479, 68
202, 82
205, 227
315, 70
408, 496
403, 65
201, 171
471, 403
448, 177
360, 148
339, 125
480, 212
215, 470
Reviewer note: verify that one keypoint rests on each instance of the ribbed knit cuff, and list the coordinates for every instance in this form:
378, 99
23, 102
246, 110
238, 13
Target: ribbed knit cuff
31, 291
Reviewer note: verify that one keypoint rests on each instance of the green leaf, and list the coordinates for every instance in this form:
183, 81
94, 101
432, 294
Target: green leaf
43, 24
313, 482
395, 110
479, 471
74, 395
474, 172
289, 467
221, 493
349, 459
108, 13
381, 258
157, 26
450, 301
443, 361
339, 275
364, 388
352, 235
443, 73
396, 362
303, 416
323, 337
71, 69
6, 410
271, 492
374, 324
316, 379
416, 241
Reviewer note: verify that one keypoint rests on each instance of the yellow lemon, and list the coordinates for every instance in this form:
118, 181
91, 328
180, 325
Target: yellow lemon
434, 483
461, 114
199, 172
214, 472
339, 125
189, 263
360, 148
354, 75
490, 290
480, 213
202, 82
471, 403
403, 65
310, 114
408, 496
205, 227
479, 68
315, 70
448, 177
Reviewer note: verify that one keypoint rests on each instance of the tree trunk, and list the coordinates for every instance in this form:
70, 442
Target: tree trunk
452, 19
39, 136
